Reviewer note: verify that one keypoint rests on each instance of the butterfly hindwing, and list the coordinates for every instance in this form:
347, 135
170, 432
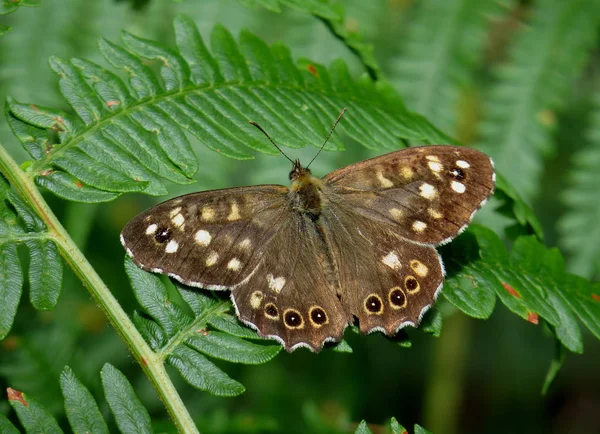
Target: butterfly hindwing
387, 282
292, 294
428, 193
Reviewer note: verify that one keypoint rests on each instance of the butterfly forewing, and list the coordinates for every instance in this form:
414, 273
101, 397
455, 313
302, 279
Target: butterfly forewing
429, 193
210, 239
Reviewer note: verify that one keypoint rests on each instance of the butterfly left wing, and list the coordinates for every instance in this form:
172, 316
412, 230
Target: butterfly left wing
429, 193
211, 239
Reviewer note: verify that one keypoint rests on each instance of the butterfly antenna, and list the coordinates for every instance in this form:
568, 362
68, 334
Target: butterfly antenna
327, 139
270, 139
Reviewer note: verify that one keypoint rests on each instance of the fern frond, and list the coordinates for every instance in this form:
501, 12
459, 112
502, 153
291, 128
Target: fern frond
443, 47
185, 340
128, 138
545, 59
531, 281
579, 229
324, 9
7, 7
20, 225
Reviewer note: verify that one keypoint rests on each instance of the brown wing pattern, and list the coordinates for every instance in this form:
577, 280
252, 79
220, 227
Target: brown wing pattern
429, 194
291, 297
387, 282
210, 239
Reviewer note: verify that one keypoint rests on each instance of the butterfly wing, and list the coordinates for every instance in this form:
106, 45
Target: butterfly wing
386, 215
210, 239
292, 295
429, 194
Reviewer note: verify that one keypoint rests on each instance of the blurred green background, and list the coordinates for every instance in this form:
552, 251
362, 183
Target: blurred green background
446, 57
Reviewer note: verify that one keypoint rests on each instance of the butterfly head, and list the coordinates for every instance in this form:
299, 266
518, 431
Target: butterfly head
298, 171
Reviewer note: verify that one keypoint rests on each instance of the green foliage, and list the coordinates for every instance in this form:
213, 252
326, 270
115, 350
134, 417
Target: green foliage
580, 233
432, 85
126, 139
20, 225
82, 410
8, 6
393, 428
545, 58
183, 338
531, 281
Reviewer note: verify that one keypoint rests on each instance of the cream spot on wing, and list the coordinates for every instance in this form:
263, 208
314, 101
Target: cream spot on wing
433, 158
385, 183
275, 283
419, 268
172, 246
392, 261
178, 220
406, 172
434, 213
458, 187
203, 237
208, 214
435, 166
396, 213
428, 191
462, 164
256, 299
212, 259
245, 244
174, 212
234, 264
419, 226
235, 212
151, 229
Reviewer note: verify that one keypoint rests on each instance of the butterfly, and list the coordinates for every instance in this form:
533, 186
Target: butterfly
305, 261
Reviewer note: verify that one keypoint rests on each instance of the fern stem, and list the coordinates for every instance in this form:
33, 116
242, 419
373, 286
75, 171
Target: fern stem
150, 362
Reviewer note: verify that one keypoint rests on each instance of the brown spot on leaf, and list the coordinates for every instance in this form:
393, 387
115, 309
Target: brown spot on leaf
144, 361
512, 291
533, 318
34, 107
15, 395
112, 103
596, 297
78, 184
312, 70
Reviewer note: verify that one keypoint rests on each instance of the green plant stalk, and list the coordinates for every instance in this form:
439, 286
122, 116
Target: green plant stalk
151, 363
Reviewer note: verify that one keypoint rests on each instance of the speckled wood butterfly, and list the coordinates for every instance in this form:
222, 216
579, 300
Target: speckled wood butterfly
304, 262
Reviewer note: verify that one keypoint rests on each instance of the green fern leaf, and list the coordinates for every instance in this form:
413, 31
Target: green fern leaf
32, 415
129, 413
579, 230
323, 9
81, 408
128, 138
436, 66
546, 58
19, 225
6, 426
185, 340
530, 280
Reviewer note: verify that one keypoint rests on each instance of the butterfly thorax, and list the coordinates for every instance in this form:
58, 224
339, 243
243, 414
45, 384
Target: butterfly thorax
306, 191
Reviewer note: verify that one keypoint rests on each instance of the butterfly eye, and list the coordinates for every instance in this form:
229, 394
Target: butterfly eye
412, 285
271, 311
397, 298
293, 319
317, 316
163, 235
373, 304
458, 174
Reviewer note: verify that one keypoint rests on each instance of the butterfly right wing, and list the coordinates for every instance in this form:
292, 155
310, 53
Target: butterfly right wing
211, 239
